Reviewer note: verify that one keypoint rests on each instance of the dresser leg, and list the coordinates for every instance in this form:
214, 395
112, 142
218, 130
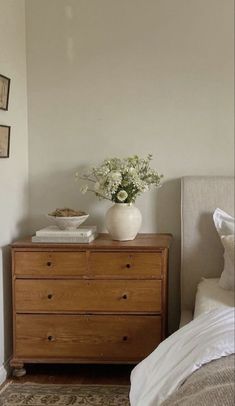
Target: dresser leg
18, 370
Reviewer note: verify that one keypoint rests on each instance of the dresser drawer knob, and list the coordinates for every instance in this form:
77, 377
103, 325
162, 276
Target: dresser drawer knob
128, 265
124, 296
50, 296
49, 263
124, 338
50, 338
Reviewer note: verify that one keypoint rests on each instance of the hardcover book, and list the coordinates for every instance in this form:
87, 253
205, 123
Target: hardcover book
65, 239
54, 231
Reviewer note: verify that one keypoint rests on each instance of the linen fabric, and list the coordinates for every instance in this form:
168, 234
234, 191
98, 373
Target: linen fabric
201, 249
206, 338
211, 385
228, 274
224, 224
211, 296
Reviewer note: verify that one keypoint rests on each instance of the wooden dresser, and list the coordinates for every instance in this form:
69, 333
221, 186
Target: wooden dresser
103, 302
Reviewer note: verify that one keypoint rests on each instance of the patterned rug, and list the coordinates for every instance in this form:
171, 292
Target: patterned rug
16, 394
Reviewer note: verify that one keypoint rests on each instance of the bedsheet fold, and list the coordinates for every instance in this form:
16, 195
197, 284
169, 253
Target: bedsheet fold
206, 338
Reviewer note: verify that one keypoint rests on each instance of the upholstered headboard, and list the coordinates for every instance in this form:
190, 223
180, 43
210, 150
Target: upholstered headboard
201, 250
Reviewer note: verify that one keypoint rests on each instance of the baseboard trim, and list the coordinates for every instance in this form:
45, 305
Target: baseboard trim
4, 371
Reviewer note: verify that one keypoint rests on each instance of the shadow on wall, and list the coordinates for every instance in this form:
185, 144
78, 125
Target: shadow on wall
7, 301
22, 229
209, 264
168, 217
60, 189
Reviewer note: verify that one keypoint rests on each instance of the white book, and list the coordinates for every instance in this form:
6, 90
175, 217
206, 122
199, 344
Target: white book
54, 231
65, 240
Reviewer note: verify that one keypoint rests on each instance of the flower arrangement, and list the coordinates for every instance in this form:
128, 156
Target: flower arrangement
122, 180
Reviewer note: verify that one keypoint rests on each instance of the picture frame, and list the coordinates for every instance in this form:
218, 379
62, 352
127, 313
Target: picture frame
5, 131
4, 92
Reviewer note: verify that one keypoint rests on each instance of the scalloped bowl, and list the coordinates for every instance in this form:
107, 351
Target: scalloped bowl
68, 223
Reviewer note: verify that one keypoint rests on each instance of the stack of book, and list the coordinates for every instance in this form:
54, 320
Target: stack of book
56, 235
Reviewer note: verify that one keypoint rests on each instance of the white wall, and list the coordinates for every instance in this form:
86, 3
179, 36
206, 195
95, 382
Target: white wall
119, 77
13, 171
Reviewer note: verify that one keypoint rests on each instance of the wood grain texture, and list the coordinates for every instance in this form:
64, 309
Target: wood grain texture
107, 337
142, 242
87, 296
125, 264
50, 264
104, 302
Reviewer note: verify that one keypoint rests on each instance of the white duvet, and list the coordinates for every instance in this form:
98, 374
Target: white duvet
208, 337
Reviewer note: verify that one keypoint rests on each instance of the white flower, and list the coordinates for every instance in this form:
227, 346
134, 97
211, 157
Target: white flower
115, 176
133, 174
122, 195
84, 189
131, 170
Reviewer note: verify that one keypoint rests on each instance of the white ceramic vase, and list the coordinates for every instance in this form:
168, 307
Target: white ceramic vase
123, 221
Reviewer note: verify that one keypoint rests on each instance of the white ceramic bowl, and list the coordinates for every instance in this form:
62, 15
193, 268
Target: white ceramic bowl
68, 223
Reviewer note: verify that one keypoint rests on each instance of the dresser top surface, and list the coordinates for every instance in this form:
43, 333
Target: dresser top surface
104, 241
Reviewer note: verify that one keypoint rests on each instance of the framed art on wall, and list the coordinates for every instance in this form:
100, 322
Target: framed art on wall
4, 92
4, 141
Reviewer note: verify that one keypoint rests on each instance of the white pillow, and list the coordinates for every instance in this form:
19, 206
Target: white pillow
224, 224
210, 296
227, 277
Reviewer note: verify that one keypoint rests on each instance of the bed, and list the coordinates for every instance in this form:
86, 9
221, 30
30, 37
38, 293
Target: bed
210, 295
201, 249
195, 365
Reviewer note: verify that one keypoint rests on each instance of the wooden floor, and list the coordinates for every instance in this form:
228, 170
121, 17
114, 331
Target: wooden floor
77, 374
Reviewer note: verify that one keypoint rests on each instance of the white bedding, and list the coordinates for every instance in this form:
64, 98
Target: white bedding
210, 296
208, 337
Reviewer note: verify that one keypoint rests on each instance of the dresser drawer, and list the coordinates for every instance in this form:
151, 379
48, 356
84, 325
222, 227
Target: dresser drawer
87, 338
50, 264
87, 296
126, 264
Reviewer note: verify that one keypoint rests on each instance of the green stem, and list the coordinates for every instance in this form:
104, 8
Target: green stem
99, 195
86, 178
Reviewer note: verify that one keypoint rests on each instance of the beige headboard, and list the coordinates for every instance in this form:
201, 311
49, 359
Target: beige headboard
201, 250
